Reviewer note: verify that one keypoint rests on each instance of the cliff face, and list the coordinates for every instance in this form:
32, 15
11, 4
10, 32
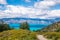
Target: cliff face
55, 27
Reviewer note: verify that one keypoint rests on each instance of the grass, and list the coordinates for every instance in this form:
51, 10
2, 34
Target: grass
18, 35
51, 35
27, 35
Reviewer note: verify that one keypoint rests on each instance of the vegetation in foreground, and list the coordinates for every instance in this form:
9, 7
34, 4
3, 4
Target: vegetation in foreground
24, 33
52, 35
18, 35
51, 32
25, 26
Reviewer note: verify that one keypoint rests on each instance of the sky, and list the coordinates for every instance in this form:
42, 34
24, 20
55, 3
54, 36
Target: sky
41, 9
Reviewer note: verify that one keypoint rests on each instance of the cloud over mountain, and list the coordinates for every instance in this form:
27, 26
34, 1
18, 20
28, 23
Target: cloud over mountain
3, 2
40, 9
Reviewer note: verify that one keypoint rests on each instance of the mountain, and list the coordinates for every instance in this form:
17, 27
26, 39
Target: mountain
29, 20
55, 27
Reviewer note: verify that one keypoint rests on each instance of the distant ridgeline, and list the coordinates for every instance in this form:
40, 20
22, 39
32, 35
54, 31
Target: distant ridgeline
1, 21
55, 27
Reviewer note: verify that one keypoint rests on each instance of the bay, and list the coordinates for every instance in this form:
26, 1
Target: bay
31, 26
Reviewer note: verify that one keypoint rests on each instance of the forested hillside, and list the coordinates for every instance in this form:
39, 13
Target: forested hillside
55, 27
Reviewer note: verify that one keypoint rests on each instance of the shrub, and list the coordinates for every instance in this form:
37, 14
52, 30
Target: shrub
24, 25
18, 35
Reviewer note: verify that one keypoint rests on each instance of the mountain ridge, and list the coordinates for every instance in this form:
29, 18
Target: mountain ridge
55, 27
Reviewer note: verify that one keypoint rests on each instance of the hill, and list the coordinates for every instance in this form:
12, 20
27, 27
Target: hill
17, 35
51, 32
55, 27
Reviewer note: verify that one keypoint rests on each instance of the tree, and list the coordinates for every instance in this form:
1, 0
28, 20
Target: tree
24, 25
4, 27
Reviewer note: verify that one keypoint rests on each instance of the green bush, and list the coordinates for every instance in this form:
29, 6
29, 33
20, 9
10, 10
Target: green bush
18, 35
24, 25
52, 35
4, 27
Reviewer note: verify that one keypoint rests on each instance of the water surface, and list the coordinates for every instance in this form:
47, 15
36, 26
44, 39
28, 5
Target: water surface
31, 26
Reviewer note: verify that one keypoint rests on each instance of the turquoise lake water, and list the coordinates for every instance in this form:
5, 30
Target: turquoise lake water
32, 26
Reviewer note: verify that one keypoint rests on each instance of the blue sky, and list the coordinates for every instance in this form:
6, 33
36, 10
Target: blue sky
42, 9
21, 2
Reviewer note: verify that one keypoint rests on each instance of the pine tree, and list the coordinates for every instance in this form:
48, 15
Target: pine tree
24, 25
4, 27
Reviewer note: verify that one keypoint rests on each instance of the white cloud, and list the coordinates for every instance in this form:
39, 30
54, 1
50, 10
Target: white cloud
57, 1
3, 2
16, 11
40, 10
20, 11
54, 13
28, 0
51, 14
44, 4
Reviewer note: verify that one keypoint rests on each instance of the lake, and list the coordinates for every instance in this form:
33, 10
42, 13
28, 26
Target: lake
32, 26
